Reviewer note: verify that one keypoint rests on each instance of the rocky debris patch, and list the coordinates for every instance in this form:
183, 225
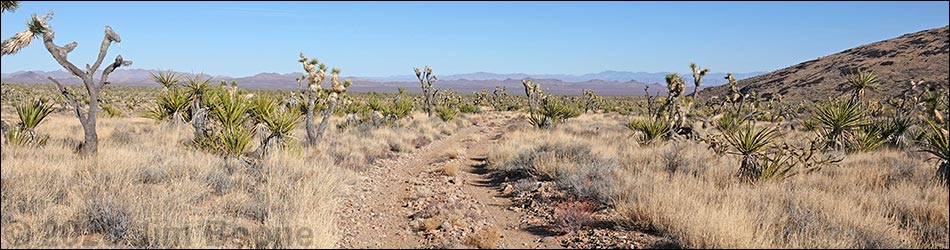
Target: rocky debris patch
444, 215
553, 213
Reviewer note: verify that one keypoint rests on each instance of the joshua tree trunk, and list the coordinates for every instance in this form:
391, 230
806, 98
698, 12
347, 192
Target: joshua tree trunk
311, 135
87, 119
326, 117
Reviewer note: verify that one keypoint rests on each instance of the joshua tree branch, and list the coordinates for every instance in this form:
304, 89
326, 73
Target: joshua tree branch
105, 73
60, 54
107, 40
70, 98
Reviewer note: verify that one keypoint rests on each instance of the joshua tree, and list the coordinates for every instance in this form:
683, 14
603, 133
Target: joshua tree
592, 99
535, 95
675, 87
9, 6
337, 89
35, 27
426, 79
38, 26
314, 77
544, 112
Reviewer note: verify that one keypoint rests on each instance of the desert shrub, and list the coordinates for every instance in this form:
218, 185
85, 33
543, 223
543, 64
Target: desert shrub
572, 215
153, 175
123, 135
574, 167
525, 186
421, 141
486, 238
220, 182
110, 111
450, 169
108, 215
467, 108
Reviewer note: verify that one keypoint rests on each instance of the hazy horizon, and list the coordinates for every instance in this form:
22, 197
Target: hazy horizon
387, 39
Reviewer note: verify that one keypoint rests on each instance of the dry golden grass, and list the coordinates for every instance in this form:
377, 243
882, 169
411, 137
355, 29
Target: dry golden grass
451, 169
881, 199
147, 188
486, 238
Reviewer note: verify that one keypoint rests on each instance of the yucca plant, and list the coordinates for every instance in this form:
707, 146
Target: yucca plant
168, 79
860, 82
868, 138
231, 110
16, 135
234, 141
776, 168
896, 129
937, 143
31, 115
111, 111
551, 112
837, 120
751, 143
729, 122
649, 129
279, 122
171, 105
446, 113
468, 108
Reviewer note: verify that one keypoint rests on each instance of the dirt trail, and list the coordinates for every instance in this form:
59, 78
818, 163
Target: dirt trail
379, 212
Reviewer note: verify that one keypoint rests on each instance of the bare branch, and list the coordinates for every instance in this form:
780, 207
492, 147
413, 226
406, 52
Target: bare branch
70, 98
110, 36
60, 53
105, 73
70, 47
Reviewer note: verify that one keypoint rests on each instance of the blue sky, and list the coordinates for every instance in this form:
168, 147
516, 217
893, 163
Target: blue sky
389, 38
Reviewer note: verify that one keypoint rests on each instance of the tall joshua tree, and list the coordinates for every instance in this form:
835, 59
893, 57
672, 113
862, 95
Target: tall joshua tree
316, 73
426, 79
675, 87
697, 79
693, 97
38, 26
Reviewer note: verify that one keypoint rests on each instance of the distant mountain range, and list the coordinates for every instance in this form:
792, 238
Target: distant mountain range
603, 83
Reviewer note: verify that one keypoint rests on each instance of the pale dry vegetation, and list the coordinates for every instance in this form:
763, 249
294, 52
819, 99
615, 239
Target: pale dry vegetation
881, 199
148, 188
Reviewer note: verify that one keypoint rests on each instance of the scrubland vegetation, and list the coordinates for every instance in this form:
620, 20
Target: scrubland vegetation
199, 163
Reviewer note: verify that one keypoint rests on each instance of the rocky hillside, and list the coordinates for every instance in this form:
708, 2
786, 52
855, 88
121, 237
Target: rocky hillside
897, 61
